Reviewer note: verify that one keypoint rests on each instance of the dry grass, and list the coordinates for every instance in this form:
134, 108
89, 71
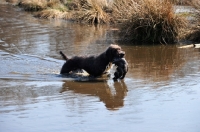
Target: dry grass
124, 9
46, 8
55, 9
14, 2
33, 5
194, 33
180, 2
93, 13
196, 5
57, 5
151, 21
84, 11
52, 13
37, 5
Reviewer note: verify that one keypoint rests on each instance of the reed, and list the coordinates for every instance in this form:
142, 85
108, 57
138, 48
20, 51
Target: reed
180, 2
33, 5
151, 21
92, 12
195, 4
84, 11
194, 35
55, 9
194, 32
14, 2
52, 13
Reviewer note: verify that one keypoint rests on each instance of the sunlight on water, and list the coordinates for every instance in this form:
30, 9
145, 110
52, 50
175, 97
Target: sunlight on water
160, 92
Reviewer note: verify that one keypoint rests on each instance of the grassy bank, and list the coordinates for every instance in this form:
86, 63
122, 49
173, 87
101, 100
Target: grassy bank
194, 32
151, 21
180, 2
139, 21
83, 11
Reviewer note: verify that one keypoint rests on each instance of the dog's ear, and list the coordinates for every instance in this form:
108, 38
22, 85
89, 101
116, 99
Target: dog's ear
110, 53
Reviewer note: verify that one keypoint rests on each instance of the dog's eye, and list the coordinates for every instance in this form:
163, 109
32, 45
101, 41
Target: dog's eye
114, 51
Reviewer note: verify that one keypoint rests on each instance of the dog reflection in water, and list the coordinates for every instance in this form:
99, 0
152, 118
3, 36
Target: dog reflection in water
110, 93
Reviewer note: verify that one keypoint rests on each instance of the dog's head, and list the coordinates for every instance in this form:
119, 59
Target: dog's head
114, 51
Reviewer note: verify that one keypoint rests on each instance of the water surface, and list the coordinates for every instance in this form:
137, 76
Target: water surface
160, 93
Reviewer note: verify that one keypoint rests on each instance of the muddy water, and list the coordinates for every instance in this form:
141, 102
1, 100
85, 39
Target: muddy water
161, 92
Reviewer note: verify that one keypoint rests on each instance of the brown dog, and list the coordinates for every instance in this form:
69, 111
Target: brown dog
93, 65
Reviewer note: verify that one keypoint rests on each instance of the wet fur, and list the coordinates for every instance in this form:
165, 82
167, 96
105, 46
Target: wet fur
95, 65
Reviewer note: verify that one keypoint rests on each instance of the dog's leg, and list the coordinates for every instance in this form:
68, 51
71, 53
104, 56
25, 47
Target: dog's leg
67, 67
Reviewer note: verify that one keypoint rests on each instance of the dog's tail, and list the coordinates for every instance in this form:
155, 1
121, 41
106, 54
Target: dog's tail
63, 55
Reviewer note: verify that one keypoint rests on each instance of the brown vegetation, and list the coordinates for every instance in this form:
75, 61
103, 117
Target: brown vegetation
51, 13
84, 11
180, 2
33, 5
193, 31
149, 21
93, 12
194, 34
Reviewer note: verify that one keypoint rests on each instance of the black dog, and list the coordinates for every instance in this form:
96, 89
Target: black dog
93, 65
122, 68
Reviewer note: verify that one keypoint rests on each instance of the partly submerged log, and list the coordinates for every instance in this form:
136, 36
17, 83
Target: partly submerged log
187, 46
190, 46
196, 45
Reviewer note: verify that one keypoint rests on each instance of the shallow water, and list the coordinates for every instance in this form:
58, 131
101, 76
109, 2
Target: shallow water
160, 93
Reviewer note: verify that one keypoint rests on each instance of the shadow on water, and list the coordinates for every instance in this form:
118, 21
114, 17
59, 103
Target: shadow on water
112, 94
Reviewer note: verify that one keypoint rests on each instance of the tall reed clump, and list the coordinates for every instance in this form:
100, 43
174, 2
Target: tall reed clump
151, 21
92, 11
54, 9
194, 34
45, 8
84, 11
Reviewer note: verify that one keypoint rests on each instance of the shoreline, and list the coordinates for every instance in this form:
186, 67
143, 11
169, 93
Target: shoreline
97, 13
